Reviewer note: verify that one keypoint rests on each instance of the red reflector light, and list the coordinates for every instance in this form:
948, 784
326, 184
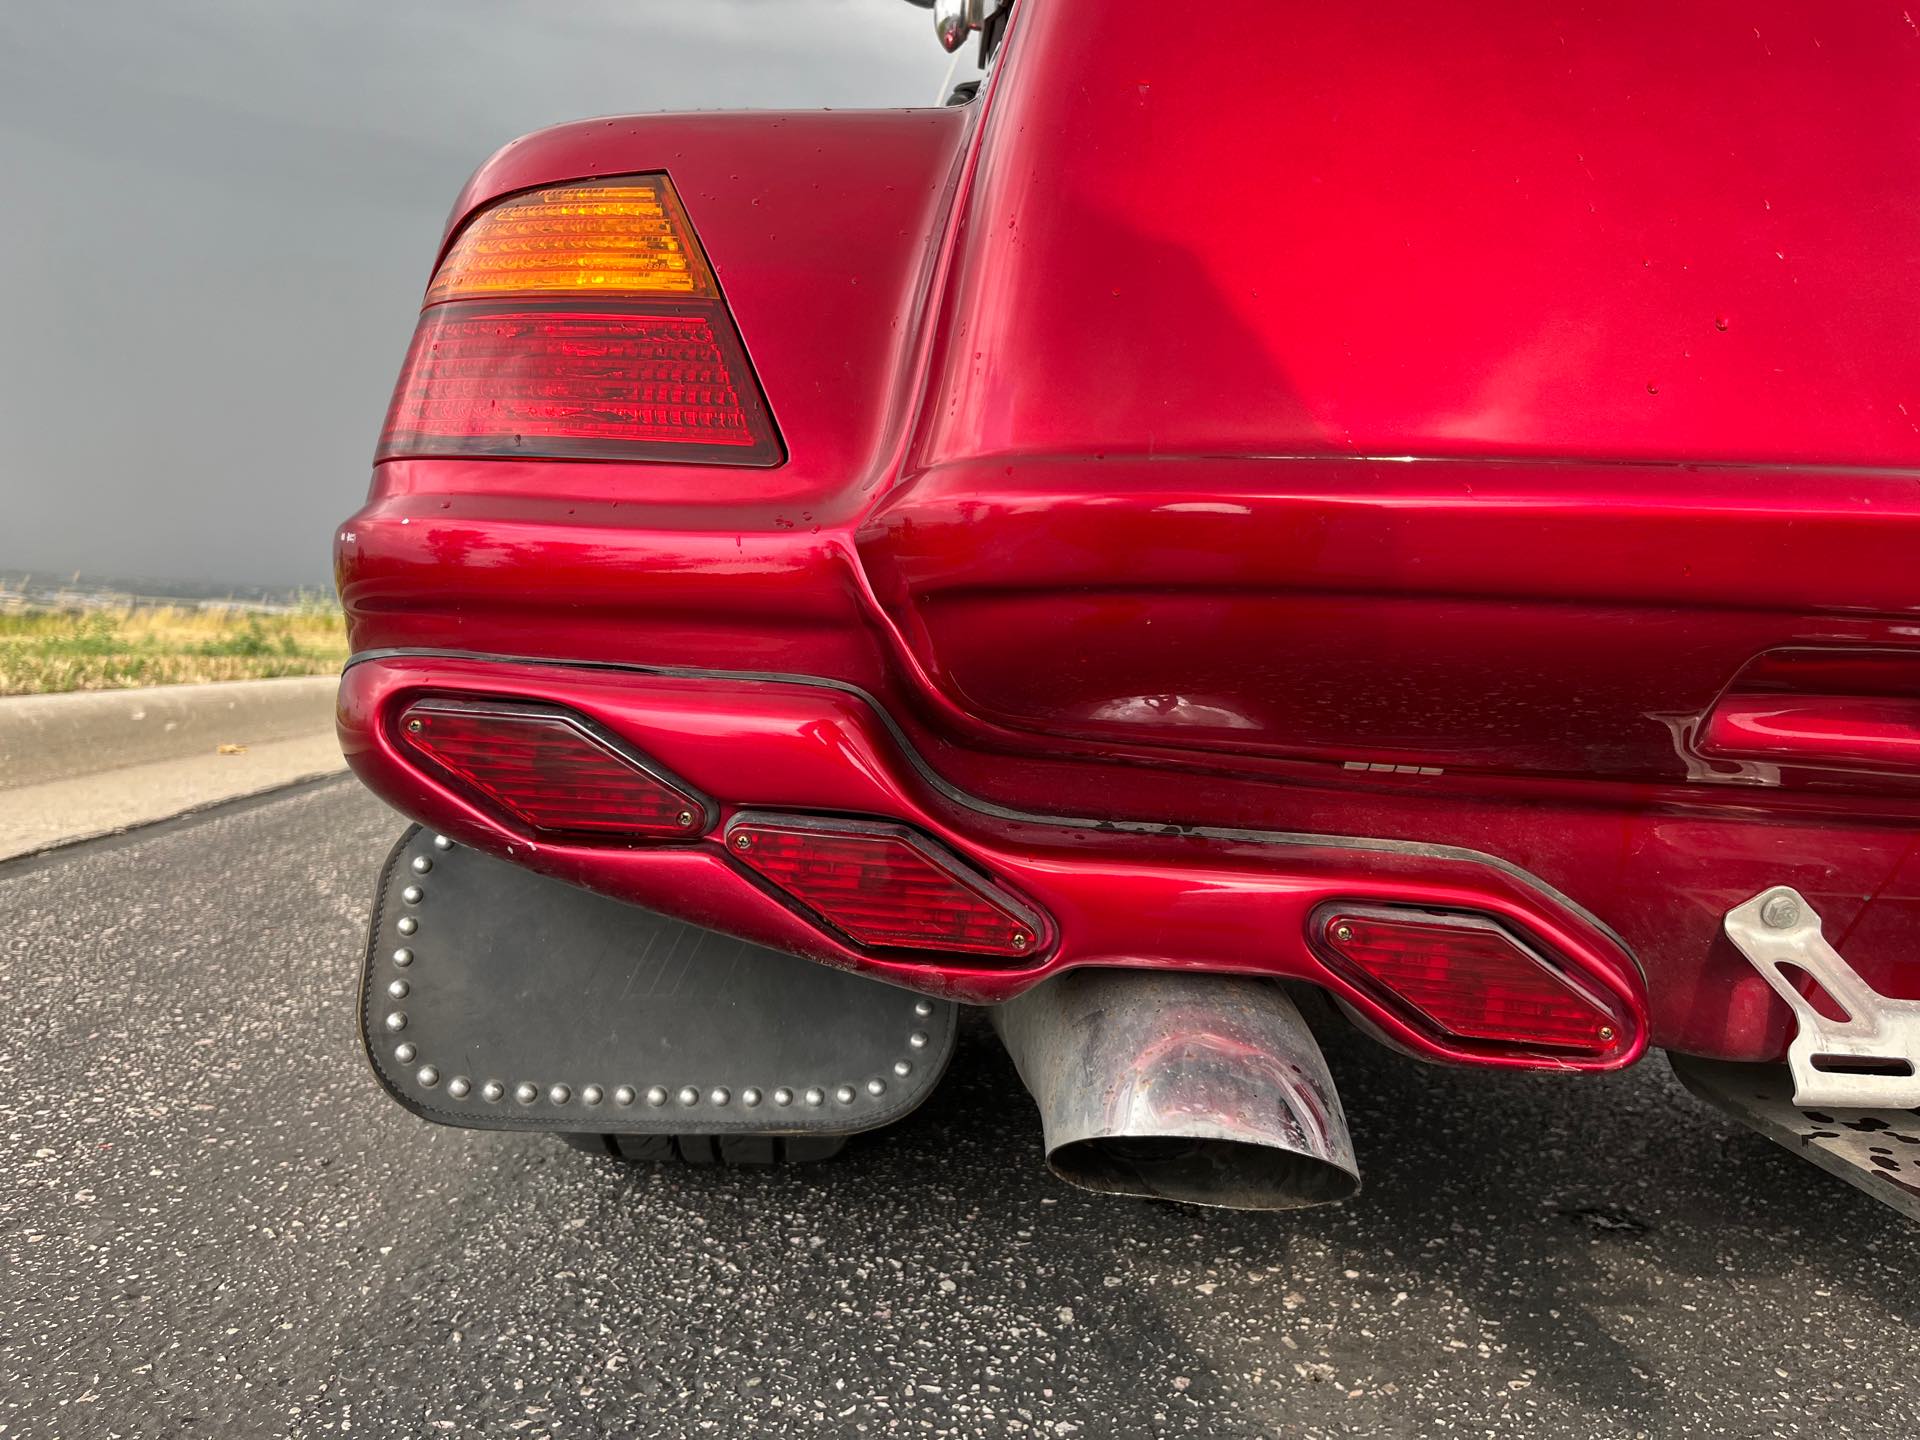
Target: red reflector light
885, 887
1467, 977
549, 770
562, 380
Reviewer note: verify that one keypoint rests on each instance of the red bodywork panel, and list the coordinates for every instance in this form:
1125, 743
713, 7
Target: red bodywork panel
1470, 426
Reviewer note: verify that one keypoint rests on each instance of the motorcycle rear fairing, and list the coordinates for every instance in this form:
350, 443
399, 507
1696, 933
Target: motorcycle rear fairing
1406, 423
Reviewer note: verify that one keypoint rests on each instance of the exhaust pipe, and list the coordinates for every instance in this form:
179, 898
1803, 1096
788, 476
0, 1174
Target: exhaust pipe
1206, 1089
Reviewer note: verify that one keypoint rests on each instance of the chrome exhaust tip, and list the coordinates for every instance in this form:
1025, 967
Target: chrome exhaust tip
1205, 1089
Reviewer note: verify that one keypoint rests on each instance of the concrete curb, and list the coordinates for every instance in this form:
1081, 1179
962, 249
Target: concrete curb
56, 737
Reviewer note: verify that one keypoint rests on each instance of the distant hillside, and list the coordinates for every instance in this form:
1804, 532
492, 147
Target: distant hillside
77, 590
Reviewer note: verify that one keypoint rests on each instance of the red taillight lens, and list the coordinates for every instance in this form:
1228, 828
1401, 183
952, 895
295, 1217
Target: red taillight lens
885, 886
564, 381
549, 770
1467, 977
580, 321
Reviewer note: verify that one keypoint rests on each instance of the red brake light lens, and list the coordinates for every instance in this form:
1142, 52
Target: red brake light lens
580, 321
549, 770
886, 887
1465, 976
637, 383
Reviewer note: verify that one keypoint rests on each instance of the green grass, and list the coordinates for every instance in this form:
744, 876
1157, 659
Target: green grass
42, 651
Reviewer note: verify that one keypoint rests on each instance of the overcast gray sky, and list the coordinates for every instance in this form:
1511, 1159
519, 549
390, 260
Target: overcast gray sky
219, 214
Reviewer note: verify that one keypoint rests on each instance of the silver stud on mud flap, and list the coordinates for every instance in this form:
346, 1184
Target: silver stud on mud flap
1869, 1060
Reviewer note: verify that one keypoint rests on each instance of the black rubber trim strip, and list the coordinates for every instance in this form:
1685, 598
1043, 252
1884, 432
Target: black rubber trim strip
1419, 848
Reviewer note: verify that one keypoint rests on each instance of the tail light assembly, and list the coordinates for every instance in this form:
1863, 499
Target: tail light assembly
1470, 982
580, 321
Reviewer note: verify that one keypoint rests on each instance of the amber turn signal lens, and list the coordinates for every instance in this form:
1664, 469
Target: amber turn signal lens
605, 237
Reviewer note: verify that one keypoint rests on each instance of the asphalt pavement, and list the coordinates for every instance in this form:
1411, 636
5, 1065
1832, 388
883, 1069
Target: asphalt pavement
213, 1223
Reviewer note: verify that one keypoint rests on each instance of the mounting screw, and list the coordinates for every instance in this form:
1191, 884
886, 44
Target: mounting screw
1343, 932
1606, 1033
684, 819
743, 842
413, 727
1021, 940
1780, 912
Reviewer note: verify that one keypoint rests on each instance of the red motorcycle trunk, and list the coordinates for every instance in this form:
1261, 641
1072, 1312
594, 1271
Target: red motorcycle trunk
1455, 457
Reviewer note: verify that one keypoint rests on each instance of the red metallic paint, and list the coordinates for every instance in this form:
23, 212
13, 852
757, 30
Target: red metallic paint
1403, 422
1836, 708
1867, 731
1458, 228
1559, 619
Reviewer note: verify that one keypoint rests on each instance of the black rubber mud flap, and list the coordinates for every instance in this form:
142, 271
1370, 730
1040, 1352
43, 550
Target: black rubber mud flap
502, 1000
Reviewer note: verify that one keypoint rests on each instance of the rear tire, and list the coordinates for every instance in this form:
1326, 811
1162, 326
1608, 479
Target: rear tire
749, 1150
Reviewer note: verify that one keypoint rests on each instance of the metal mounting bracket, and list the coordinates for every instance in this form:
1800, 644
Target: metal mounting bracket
1871, 1059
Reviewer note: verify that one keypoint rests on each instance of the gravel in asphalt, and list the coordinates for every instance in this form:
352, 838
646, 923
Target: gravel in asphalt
213, 1223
